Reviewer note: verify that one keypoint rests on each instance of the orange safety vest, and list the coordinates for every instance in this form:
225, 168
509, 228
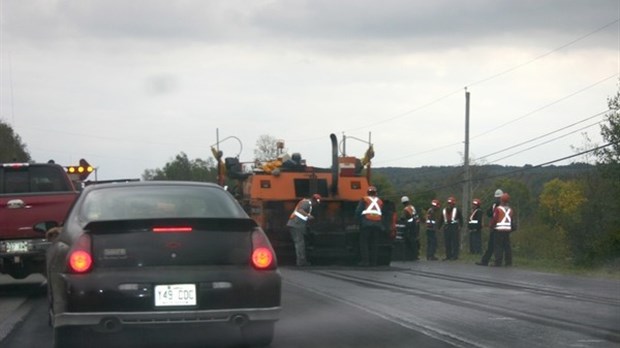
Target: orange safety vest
373, 208
504, 219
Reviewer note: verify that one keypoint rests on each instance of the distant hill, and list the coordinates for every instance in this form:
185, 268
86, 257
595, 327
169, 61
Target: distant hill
446, 180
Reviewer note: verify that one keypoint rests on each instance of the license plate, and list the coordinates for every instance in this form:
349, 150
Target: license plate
175, 295
16, 246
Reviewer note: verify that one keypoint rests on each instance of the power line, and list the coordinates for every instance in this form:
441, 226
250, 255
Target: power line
545, 106
544, 54
546, 142
516, 67
520, 169
544, 135
433, 169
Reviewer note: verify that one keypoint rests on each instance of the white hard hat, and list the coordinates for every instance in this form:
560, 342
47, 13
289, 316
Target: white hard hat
404, 199
498, 193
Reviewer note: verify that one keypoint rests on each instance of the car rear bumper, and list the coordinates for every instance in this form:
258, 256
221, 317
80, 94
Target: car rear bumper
112, 321
117, 297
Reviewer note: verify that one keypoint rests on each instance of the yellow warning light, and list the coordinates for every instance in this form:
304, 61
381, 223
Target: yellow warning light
83, 170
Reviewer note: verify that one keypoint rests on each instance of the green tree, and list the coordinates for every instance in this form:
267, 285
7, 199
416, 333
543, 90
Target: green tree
11, 147
561, 202
385, 190
519, 196
181, 168
597, 239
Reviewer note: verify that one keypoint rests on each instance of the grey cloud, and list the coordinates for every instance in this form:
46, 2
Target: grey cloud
430, 20
437, 22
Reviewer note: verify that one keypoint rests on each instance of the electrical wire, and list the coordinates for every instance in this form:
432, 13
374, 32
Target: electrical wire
546, 142
520, 170
544, 54
545, 106
516, 67
544, 135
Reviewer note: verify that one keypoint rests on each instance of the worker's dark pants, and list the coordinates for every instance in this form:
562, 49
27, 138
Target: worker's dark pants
412, 241
369, 238
503, 249
297, 234
431, 243
452, 241
475, 241
489, 252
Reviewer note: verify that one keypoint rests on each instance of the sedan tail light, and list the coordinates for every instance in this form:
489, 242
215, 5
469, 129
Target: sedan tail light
80, 259
173, 229
263, 256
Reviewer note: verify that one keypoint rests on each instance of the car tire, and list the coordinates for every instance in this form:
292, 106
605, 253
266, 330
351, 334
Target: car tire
258, 334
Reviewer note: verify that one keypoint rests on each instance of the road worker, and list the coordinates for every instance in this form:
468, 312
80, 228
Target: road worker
491, 244
298, 225
412, 228
503, 222
452, 222
474, 225
433, 223
371, 226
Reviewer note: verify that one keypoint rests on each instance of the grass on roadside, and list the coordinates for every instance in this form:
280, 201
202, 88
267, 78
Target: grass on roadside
610, 271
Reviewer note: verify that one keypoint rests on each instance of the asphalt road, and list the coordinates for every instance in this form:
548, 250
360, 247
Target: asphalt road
424, 304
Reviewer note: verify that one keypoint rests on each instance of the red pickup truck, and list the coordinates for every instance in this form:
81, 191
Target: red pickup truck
29, 194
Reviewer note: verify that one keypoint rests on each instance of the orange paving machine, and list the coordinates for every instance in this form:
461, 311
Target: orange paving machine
270, 192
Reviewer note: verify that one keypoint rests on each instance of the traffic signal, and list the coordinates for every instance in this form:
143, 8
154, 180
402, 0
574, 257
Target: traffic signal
82, 171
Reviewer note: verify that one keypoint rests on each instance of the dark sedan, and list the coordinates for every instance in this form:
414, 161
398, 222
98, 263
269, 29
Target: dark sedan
179, 256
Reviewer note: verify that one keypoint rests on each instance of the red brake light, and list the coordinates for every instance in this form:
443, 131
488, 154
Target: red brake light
80, 261
172, 229
262, 258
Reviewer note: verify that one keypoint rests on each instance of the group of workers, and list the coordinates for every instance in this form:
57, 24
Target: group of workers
449, 220
501, 223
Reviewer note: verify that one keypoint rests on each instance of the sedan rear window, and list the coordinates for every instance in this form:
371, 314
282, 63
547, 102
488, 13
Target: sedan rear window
148, 202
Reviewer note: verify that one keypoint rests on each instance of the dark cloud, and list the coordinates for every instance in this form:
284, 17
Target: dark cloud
434, 22
437, 22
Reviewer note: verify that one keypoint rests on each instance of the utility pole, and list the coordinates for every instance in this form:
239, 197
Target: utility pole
466, 175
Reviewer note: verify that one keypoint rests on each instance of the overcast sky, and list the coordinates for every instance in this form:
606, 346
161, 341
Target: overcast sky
128, 85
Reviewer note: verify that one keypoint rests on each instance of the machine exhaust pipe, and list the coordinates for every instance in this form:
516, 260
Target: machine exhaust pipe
239, 320
334, 188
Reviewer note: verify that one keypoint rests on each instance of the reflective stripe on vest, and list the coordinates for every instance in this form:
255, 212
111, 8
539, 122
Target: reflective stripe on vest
373, 208
298, 214
471, 218
411, 211
506, 223
453, 219
430, 222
